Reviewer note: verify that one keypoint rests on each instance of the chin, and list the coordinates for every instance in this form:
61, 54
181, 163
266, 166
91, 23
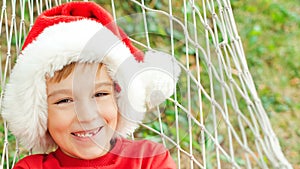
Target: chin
89, 154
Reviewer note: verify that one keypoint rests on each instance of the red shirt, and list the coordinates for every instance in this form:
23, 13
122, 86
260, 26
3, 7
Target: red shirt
126, 154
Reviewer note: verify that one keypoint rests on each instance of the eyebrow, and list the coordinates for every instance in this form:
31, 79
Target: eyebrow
100, 84
68, 91
60, 91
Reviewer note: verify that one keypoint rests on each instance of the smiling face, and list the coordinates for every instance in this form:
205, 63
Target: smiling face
82, 111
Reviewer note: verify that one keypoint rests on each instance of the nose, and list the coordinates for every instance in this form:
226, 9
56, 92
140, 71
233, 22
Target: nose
87, 111
83, 85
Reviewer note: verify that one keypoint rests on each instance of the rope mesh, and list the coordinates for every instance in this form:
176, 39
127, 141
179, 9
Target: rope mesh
215, 119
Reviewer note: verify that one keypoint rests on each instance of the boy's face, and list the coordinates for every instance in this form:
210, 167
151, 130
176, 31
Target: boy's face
82, 111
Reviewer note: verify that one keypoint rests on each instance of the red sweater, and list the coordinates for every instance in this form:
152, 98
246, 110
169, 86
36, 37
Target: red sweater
126, 154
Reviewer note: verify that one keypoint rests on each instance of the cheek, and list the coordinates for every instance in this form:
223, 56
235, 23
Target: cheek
108, 109
111, 115
58, 120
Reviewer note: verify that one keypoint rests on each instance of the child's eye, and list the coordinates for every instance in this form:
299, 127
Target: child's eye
101, 94
64, 101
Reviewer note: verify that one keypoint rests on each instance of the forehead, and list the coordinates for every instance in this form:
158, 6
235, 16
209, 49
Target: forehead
81, 75
89, 72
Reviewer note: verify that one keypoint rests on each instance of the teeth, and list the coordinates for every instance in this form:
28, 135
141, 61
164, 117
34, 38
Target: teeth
84, 135
87, 134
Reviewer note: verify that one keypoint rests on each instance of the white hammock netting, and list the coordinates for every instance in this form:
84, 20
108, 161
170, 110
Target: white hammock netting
215, 119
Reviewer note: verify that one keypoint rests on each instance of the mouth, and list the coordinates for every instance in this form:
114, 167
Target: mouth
87, 133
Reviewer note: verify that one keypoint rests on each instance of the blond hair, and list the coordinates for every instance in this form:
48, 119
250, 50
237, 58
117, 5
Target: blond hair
65, 72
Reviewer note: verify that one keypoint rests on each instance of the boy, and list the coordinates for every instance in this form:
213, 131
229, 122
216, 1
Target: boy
80, 98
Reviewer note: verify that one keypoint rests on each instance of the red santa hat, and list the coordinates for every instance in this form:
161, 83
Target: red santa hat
67, 34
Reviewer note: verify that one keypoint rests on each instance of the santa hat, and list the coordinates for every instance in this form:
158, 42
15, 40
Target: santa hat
67, 34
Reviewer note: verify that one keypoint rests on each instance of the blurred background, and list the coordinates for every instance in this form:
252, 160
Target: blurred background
270, 32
